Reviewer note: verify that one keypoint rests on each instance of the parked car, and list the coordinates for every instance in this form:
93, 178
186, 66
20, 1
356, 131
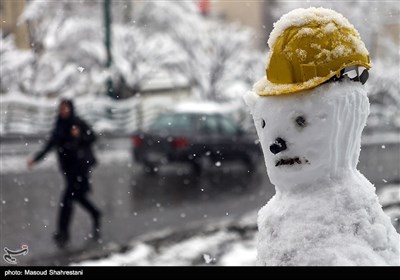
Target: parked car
192, 137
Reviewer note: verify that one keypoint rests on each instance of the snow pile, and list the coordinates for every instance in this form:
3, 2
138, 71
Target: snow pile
228, 242
325, 212
199, 250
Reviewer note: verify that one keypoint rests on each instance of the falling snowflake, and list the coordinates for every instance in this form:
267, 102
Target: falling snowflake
218, 164
80, 69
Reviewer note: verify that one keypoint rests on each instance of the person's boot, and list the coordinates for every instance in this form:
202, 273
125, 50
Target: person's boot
61, 239
97, 227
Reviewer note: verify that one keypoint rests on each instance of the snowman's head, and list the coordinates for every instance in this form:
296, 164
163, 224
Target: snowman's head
310, 135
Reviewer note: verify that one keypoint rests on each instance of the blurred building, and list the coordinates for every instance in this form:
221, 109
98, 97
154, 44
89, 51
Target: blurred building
254, 14
390, 31
10, 10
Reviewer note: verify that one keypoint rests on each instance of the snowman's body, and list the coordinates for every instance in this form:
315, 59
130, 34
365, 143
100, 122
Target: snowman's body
325, 212
338, 223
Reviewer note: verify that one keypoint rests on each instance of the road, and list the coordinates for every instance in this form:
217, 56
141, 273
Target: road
134, 203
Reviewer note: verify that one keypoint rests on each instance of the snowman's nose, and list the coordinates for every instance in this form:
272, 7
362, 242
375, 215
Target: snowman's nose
278, 146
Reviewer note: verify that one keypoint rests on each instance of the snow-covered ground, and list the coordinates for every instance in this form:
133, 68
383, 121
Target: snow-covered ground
226, 243
230, 242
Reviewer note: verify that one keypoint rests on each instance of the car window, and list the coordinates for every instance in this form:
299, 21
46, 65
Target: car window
176, 122
208, 124
227, 127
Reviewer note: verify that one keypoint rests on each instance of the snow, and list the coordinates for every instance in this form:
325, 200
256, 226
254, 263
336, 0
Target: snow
300, 17
214, 243
329, 28
199, 249
325, 212
302, 54
390, 194
240, 254
265, 86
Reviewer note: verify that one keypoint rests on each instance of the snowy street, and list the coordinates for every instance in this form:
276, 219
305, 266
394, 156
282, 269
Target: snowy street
135, 204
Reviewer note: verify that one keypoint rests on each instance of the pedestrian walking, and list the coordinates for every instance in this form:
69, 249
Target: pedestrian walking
73, 139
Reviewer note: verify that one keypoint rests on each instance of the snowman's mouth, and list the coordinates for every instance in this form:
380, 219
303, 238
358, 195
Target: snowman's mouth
290, 161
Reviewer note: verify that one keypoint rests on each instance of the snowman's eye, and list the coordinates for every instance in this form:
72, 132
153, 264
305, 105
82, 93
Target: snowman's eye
301, 121
262, 123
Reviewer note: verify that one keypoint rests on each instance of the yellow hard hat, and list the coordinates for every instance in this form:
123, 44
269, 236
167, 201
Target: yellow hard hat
307, 48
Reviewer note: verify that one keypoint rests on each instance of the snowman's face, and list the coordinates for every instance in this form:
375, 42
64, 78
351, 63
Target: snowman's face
295, 138
309, 135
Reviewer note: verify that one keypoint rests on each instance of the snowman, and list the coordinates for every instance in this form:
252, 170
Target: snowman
309, 112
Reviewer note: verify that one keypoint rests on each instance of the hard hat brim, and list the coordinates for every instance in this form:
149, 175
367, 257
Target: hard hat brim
266, 88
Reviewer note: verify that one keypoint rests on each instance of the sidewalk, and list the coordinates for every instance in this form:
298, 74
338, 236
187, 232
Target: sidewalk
226, 242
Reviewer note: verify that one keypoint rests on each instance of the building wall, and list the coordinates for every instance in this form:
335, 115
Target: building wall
390, 30
10, 10
254, 14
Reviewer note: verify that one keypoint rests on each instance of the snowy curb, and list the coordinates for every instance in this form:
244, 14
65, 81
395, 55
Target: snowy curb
227, 242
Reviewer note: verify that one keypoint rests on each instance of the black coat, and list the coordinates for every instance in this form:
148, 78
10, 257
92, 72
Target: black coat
75, 154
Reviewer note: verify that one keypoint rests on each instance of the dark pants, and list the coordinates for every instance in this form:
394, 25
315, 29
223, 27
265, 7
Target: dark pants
77, 190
